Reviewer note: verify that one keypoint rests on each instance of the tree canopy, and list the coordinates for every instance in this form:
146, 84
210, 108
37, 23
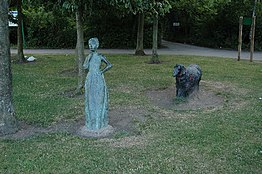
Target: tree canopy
144, 6
211, 23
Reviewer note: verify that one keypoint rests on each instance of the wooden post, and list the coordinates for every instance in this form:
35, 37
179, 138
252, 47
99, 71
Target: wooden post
240, 37
252, 41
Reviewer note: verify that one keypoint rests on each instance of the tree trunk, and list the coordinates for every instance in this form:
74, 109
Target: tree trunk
7, 115
140, 35
154, 58
20, 52
80, 50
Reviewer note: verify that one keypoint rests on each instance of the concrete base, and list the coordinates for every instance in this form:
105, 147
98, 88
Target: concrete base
103, 132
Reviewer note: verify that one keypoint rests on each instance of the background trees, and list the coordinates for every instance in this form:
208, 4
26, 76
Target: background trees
47, 25
152, 9
211, 23
116, 24
138, 8
78, 6
158, 8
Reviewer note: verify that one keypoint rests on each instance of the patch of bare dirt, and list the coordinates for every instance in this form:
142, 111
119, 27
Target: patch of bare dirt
121, 119
127, 118
69, 73
124, 118
203, 99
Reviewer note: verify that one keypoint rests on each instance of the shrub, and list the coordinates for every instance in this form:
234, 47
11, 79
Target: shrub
46, 29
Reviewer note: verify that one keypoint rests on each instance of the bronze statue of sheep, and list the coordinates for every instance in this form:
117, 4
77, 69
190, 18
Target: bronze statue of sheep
187, 79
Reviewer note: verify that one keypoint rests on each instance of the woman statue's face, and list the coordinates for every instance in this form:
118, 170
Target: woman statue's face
93, 44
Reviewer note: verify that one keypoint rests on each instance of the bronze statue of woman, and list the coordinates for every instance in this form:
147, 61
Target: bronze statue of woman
96, 94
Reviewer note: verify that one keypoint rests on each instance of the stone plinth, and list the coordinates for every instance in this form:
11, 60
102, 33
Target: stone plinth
103, 132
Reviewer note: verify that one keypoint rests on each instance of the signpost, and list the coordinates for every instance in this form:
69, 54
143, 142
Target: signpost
14, 15
247, 21
251, 22
176, 24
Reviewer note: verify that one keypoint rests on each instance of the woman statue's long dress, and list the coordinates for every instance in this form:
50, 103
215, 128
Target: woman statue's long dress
96, 94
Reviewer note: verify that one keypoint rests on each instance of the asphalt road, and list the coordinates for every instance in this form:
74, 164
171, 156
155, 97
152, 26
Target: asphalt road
170, 48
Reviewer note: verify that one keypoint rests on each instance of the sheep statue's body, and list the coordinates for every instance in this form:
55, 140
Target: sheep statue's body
187, 79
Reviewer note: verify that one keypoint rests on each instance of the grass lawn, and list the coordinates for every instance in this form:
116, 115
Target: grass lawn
222, 140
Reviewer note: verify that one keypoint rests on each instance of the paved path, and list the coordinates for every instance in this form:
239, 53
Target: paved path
170, 48
184, 49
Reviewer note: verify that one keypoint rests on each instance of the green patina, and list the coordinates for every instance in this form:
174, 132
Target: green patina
96, 94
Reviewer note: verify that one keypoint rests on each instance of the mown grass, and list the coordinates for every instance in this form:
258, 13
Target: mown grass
225, 140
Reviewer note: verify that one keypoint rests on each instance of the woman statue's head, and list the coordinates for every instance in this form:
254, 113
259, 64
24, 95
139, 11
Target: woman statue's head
93, 44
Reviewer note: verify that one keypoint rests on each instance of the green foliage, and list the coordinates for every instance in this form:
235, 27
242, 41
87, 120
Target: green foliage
208, 23
151, 8
142, 6
114, 30
258, 32
52, 26
212, 23
225, 24
48, 26
71, 6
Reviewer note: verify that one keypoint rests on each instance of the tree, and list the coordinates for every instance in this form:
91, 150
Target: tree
7, 115
157, 8
80, 46
140, 35
138, 8
77, 6
153, 8
155, 58
19, 20
20, 52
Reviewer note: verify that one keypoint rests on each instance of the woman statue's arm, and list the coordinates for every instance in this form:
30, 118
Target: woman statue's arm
108, 64
86, 63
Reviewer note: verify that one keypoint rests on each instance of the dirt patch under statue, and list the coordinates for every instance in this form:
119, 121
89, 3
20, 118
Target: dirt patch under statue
205, 98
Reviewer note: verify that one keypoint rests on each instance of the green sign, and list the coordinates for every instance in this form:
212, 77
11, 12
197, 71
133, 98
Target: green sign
247, 21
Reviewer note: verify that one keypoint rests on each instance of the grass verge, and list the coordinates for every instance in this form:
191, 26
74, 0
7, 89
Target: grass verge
225, 140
